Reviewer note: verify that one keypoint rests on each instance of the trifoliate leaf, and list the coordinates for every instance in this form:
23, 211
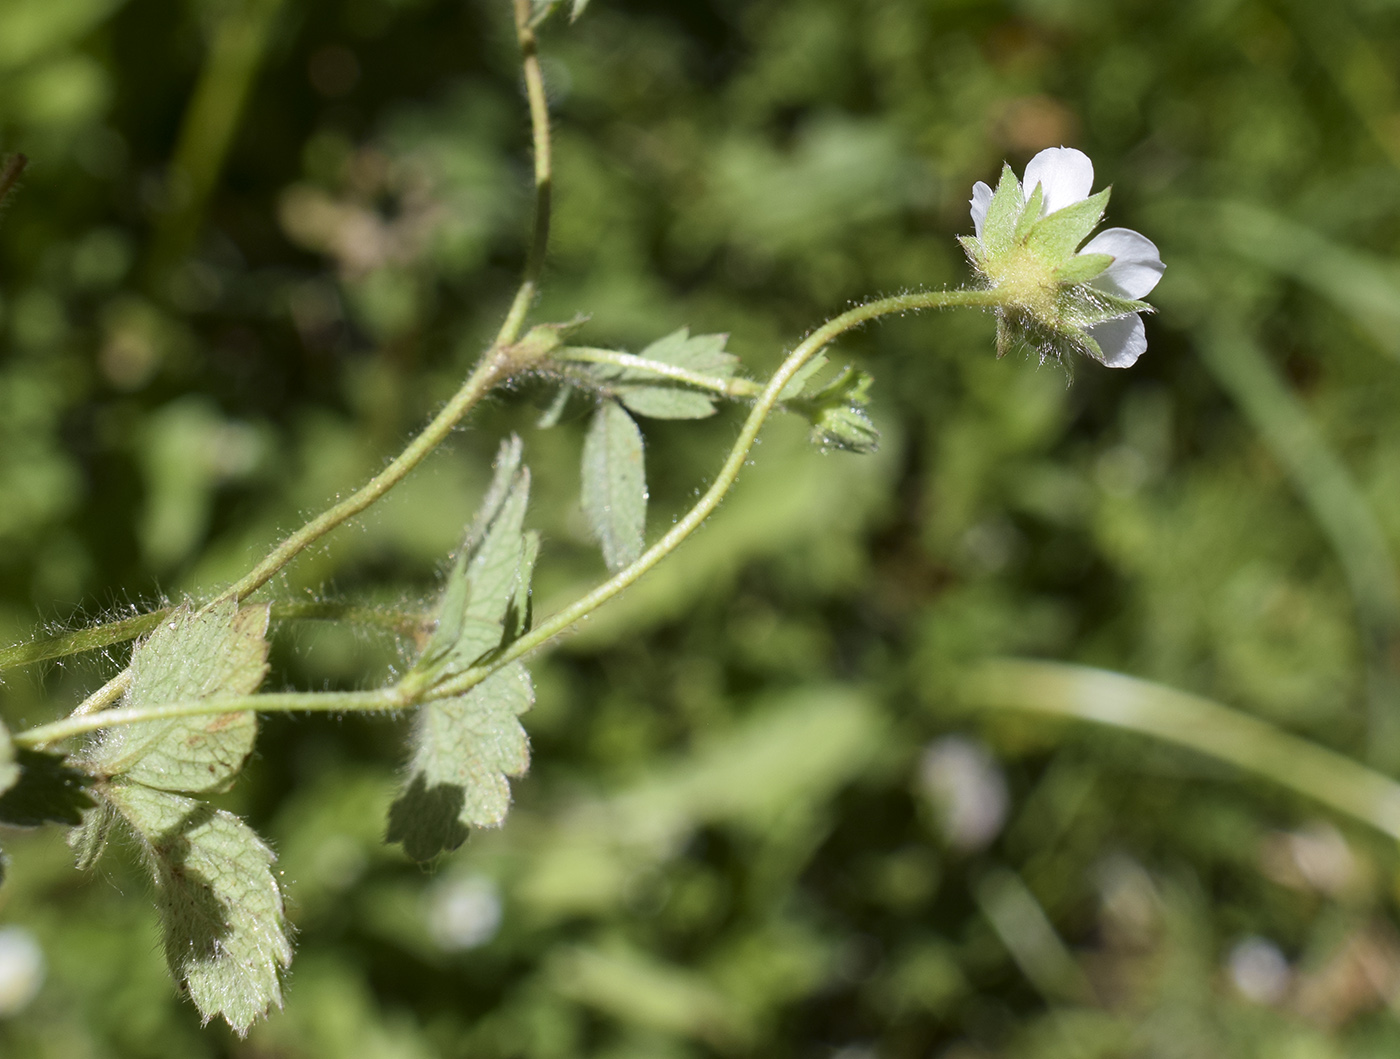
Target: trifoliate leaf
221, 911
999, 227
1082, 267
485, 581
463, 750
47, 791
192, 655
9, 767
1055, 237
614, 484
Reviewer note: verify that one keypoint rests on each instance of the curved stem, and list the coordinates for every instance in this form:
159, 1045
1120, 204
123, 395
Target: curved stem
491, 370
539, 132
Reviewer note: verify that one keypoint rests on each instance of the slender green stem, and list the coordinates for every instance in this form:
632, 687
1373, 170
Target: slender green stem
733, 464
78, 641
276, 702
491, 370
723, 387
104, 696
539, 131
1206, 727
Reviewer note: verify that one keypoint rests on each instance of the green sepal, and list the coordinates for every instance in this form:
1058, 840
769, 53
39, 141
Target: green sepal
976, 254
793, 390
1054, 237
1081, 268
1007, 205
1030, 216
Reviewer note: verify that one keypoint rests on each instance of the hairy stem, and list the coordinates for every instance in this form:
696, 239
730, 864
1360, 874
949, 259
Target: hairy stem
491, 370
723, 387
539, 132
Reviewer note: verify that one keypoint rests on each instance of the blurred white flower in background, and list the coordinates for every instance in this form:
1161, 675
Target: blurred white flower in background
1259, 970
463, 912
21, 969
967, 790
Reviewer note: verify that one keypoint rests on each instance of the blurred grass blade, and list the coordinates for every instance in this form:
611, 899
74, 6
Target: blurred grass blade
209, 124
1364, 286
1336, 502
1030, 937
1087, 694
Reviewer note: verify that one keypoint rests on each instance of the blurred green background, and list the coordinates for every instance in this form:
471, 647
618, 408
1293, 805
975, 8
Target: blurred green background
260, 240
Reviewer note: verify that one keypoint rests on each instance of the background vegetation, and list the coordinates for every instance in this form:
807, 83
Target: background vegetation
259, 241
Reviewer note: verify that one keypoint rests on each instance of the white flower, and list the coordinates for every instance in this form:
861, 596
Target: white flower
1057, 296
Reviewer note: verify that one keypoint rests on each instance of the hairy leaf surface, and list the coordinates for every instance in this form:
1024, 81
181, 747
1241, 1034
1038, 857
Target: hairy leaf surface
222, 918
192, 655
487, 592
614, 484
660, 398
463, 750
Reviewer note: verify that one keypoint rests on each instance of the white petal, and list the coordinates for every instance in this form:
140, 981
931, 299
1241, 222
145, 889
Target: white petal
1122, 340
1136, 268
1066, 175
981, 199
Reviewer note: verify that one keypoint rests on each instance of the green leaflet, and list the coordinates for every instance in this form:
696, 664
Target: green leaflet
614, 484
656, 398
1053, 238
463, 750
191, 655
488, 588
89, 838
221, 911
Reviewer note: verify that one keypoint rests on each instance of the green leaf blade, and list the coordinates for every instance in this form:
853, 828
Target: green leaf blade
219, 651
464, 749
614, 484
222, 916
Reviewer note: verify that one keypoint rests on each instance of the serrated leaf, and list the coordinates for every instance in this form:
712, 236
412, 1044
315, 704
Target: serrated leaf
9, 767
1055, 236
803, 376
486, 579
614, 484
47, 791
463, 750
644, 394
1082, 267
191, 655
221, 911
1005, 209
551, 415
